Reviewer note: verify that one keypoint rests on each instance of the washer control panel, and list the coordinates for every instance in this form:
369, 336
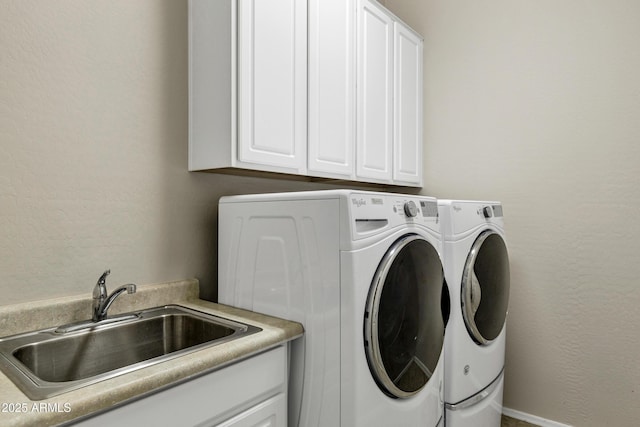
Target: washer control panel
375, 211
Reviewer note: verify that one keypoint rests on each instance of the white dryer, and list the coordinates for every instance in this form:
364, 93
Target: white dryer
476, 266
362, 272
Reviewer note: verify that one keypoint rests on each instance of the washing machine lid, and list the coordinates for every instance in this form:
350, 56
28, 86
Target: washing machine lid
403, 327
485, 287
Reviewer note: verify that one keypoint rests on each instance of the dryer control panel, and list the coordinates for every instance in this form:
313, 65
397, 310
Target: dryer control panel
468, 214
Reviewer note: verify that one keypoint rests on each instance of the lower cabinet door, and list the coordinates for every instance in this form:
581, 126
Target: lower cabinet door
227, 397
270, 413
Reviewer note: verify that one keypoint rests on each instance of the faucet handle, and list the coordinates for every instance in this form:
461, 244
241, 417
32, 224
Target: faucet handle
103, 278
100, 290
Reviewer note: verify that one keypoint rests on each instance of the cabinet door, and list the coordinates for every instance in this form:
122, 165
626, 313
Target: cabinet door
270, 413
332, 87
407, 110
209, 399
272, 83
375, 93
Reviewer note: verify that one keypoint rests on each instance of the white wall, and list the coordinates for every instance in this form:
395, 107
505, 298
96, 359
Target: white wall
93, 163
537, 104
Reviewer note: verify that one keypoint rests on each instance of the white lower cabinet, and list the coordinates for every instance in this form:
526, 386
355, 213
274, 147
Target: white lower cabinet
270, 413
252, 392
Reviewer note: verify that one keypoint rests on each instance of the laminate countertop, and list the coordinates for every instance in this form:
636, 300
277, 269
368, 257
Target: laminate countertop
16, 409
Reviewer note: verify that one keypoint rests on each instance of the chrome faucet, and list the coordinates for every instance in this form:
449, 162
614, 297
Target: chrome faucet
102, 302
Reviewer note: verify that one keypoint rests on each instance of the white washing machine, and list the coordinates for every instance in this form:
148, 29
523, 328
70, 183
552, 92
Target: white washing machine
362, 272
476, 266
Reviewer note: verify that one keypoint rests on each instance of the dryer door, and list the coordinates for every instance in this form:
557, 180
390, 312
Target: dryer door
404, 329
485, 287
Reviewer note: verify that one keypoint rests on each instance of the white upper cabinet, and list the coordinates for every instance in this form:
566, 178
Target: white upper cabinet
332, 88
374, 145
272, 83
248, 85
324, 88
365, 94
389, 141
407, 108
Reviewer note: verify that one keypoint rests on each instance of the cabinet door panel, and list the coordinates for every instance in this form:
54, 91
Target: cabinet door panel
207, 400
407, 124
270, 413
375, 93
272, 83
331, 86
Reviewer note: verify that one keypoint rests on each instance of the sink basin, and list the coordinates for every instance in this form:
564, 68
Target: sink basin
48, 362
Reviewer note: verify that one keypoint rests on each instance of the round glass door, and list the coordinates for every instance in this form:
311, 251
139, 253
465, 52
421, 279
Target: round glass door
404, 328
485, 287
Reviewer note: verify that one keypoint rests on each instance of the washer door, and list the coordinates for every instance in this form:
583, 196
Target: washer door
485, 287
403, 327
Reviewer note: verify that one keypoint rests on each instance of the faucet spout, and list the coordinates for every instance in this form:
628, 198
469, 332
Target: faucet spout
102, 313
102, 302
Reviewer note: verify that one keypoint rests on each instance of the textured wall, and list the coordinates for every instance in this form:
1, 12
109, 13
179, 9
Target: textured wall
93, 166
537, 103
534, 103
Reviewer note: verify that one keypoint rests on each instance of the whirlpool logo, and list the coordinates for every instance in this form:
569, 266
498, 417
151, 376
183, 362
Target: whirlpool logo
359, 202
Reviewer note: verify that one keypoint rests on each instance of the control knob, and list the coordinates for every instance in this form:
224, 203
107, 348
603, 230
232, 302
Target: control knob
410, 209
487, 212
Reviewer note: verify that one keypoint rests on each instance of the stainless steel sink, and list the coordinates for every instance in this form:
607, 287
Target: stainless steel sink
49, 362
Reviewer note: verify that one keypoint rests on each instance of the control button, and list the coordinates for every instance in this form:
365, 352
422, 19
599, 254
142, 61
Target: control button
410, 209
486, 212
